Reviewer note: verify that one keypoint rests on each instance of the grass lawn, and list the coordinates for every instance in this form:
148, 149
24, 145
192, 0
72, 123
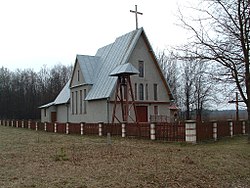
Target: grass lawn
38, 159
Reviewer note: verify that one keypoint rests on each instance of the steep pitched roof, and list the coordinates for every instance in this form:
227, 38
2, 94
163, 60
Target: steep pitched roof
62, 98
89, 66
112, 56
64, 95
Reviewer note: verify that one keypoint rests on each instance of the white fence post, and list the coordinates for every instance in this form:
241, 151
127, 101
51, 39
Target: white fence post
190, 131
16, 123
100, 128
12, 123
22, 124
243, 127
36, 126
123, 129
29, 124
152, 131
215, 131
82, 128
231, 128
55, 127
67, 128
45, 126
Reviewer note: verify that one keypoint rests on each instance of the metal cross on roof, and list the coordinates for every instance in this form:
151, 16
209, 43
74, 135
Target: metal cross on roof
136, 12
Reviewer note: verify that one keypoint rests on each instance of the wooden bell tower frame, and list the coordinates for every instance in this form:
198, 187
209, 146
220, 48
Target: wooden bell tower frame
124, 96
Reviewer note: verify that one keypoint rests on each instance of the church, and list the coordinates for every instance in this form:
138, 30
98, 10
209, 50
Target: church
92, 94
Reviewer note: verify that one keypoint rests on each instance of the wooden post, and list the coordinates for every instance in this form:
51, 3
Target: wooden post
190, 131
123, 129
152, 131
215, 131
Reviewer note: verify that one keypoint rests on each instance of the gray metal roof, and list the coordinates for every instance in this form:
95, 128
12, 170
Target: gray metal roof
97, 69
64, 95
111, 56
47, 105
62, 98
89, 66
127, 68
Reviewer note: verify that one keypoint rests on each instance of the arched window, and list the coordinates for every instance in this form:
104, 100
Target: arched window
141, 69
141, 92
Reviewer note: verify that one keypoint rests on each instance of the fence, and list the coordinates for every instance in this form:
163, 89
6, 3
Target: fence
190, 131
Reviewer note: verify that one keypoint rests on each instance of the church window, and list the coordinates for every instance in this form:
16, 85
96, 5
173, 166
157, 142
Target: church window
81, 101
72, 103
141, 92
135, 91
76, 102
146, 88
85, 102
155, 92
141, 69
78, 76
156, 112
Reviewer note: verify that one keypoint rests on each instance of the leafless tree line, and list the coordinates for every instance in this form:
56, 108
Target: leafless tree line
23, 91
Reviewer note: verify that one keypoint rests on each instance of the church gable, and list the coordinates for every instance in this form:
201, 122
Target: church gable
77, 76
150, 77
85, 70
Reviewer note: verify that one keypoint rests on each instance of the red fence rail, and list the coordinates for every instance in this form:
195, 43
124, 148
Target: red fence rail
170, 131
204, 131
162, 131
223, 129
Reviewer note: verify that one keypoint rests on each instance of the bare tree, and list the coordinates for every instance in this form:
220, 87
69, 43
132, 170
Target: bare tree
168, 64
221, 35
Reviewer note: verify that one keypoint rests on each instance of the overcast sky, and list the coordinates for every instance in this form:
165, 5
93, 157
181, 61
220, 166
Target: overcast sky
38, 32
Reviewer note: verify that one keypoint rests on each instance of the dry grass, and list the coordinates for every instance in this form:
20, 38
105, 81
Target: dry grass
39, 159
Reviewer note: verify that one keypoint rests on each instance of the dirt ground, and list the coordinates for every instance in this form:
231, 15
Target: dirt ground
38, 159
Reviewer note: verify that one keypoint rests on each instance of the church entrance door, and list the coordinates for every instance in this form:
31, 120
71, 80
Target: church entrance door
142, 113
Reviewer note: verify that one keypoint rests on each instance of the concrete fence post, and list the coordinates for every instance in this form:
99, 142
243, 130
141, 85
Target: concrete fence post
29, 124
100, 128
123, 129
243, 127
45, 126
67, 128
215, 131
152, 131
190, 131
82, 124
231, 128
55, 127
36, 126
16, 123
12, 123
22, 124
